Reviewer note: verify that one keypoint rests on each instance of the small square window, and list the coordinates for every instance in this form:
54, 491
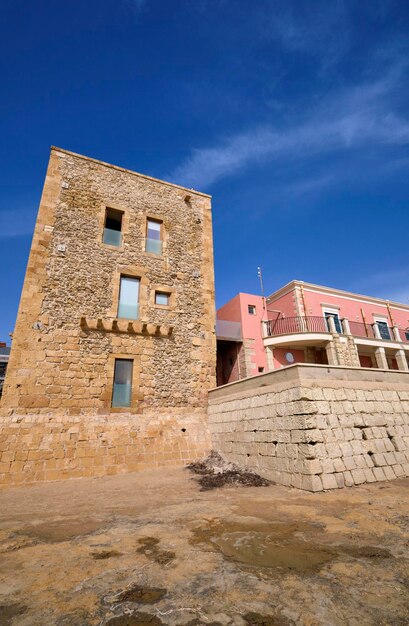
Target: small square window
252, 309
113, 227
162, 298
260, 370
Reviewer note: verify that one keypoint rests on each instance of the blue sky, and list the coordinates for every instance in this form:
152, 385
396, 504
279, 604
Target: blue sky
294, 115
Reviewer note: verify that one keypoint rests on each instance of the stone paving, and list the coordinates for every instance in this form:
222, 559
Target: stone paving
151, 548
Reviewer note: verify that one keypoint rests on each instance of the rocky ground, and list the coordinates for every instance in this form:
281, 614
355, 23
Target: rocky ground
154, 548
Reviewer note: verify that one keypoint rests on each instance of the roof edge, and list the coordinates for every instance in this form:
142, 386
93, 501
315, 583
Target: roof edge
124, 169
313, 286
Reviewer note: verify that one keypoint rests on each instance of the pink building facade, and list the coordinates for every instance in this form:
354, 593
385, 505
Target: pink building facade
306, 323
240, 347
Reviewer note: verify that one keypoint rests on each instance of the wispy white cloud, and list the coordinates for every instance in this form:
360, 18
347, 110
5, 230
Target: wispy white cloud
355, 118
302, 186
321, 30
390, 284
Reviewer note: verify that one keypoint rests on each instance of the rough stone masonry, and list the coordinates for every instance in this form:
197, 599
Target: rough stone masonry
56, 415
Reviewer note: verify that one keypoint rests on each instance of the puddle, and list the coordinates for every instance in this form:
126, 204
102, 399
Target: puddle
105, 554
266, 545
198, 622
366, 552
256, 619
279, 546
135, 619
139, 594
9, 611
262, 550
65, 530
149, 546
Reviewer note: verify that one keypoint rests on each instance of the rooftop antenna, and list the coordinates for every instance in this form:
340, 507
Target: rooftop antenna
260, 276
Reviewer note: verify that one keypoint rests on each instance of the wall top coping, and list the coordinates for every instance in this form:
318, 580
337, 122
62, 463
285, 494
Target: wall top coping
310, 371
123, 169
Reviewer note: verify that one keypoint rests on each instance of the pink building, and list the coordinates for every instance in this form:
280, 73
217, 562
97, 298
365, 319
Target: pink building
306, 323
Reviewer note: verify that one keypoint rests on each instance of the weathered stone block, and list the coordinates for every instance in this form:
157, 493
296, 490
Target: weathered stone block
359, 476
329, 481
311, 483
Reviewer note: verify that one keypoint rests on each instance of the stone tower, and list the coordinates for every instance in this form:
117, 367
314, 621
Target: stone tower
114, 349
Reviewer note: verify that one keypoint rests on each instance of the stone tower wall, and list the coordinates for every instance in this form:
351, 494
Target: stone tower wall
67, 334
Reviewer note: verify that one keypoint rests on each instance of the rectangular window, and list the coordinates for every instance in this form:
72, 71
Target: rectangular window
122, 390
252, 309
383, 329
162, 298
337, 321
154, 237
128, 306
113, 227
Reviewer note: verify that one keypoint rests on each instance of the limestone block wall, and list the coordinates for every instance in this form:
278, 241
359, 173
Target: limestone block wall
315, 427
37, 448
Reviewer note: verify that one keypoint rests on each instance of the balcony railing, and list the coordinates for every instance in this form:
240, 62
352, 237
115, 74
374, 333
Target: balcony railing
404, 335
310, 324
359, 329
290, 325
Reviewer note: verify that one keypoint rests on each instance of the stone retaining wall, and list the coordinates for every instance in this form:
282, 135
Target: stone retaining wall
315, 427
37, 448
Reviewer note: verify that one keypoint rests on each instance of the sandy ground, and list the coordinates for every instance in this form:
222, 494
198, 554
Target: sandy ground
151, 548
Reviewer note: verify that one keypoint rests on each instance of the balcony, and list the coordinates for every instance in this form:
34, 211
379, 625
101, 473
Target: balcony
310, 324
291, 325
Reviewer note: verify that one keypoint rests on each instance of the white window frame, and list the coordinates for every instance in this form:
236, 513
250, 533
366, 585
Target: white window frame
384, 320
328, 311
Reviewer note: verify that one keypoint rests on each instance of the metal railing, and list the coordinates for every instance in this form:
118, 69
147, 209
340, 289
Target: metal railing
290, 325
404, 335
359, 329
311, 324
